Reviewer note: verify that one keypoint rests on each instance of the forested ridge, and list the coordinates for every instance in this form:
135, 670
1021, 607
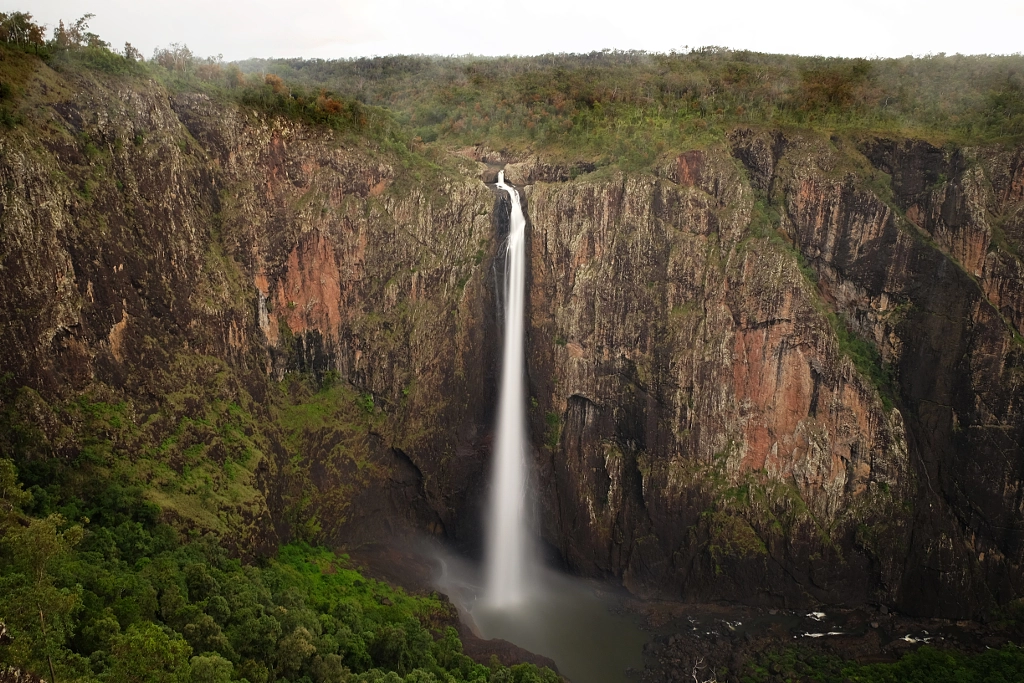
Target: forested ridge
630, 107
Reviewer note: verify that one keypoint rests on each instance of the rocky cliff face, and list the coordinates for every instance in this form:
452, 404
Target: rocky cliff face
706, 431
784, 369
710, 428
955, 348
152, 242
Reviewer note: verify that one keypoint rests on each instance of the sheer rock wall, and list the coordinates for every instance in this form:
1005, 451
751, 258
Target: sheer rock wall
783, 369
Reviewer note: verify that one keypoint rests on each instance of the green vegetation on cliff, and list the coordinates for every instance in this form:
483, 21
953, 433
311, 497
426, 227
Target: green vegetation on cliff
176, 67
98, 589
620, 108
133, 489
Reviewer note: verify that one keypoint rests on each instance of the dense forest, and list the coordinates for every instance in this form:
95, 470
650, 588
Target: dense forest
97, 583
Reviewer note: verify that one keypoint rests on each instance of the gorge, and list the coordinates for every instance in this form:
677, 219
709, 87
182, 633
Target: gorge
775, 366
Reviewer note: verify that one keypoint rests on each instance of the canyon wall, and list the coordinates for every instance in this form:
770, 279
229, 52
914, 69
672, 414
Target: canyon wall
165, 252
779, 379
783, 369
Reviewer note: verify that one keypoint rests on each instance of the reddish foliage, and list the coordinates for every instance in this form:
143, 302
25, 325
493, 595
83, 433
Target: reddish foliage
275, 83
331, 105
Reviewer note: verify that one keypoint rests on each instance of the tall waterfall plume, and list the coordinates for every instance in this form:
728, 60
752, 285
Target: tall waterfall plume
508, 539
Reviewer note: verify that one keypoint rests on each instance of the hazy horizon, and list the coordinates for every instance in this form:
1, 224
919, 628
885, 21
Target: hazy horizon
260, 30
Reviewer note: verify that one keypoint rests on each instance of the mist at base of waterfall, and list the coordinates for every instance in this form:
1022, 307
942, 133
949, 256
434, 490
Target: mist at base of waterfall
515, 598
577, 623
574, 625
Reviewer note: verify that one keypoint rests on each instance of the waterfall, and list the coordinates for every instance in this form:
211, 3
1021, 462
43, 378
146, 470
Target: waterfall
507, 544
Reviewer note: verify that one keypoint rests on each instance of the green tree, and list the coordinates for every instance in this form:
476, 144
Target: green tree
39, 615
77, 35
294, 650
12, 497
132, 54
39, 546
18, 28
147, 653
210, 668
448, 649
378, 676
329, 669
176, 57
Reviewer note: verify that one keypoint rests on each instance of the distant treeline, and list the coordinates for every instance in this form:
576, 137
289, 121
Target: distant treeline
622, 108
637, 102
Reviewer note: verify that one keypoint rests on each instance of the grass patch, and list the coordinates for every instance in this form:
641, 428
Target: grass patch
553, 429
866, 359
630, 108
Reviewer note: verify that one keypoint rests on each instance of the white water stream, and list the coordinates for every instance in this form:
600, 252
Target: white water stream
508, 556
520, 600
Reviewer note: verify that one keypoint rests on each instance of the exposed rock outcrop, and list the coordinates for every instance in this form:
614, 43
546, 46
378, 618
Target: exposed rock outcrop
705, 432
783, 369
189, 228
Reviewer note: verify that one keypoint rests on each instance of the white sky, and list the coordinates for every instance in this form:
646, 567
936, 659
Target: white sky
352, 28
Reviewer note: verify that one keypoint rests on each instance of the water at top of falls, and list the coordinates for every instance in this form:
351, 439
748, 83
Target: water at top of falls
507, 558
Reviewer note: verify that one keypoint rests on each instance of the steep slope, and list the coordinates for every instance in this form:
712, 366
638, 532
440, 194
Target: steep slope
780, 368
714, 428
711, 436
173, 258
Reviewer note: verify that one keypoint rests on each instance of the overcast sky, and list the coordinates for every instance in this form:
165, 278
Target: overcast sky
345, 28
